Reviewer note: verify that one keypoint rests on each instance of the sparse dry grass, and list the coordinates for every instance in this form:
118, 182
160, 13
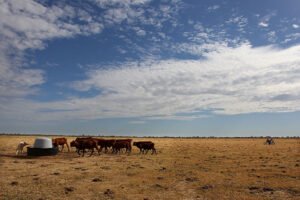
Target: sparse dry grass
182, 169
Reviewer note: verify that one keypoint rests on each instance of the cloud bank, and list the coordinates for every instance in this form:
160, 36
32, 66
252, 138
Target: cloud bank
229, 75
229, 80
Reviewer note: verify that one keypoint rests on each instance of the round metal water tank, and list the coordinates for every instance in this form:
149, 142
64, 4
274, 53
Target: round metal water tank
43, 142
42, 147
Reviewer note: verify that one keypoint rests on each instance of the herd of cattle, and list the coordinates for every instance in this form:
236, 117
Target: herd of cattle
116, 145
89, 143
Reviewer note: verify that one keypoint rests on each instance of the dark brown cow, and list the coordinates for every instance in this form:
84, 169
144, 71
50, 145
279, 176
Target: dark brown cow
60, 142
81, 138
87, 143
145, 146
118, 145
103, 143
128, 140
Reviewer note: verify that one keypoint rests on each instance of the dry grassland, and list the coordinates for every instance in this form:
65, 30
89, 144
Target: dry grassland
182, 169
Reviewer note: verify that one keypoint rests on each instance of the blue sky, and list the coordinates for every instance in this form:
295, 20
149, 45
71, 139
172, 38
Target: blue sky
154, 68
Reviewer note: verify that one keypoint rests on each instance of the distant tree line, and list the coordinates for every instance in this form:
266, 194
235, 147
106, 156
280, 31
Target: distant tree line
180, 137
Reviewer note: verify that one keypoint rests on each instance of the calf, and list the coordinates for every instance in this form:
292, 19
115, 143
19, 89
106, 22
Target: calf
145, 145
60, 141
83, 144
20, 147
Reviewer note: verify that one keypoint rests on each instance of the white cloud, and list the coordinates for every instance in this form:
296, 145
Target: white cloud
122, 3
14, 81
295, 26
264, 21
263, 24
213, 8
272, 36
291, 37
175, 117
240, 21
139, 31
230, 80
26, 25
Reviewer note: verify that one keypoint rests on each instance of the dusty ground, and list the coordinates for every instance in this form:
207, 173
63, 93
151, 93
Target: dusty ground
182, 169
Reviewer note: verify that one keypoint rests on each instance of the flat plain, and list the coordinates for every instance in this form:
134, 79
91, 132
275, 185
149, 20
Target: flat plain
233, 168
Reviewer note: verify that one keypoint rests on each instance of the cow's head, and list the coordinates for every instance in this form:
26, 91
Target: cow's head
72, 144
134, 143
54, 142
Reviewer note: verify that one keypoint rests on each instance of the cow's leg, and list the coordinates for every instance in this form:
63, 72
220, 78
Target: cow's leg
129, 152
62, 147
147, 151
83, 151
92, 152
97, 148
154, 151
68, 146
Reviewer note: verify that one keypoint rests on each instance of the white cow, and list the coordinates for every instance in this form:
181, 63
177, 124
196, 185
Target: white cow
20, 147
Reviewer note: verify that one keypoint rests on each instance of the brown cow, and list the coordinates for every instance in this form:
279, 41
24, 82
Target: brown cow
60, 141
128, 140
145, 145
82, 138
118, 145
105, 144
83, 144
